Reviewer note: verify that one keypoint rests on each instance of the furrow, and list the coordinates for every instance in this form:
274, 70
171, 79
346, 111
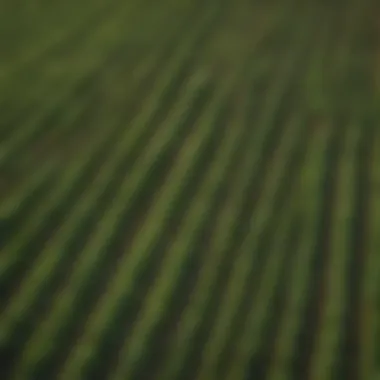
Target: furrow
210, 269
370, 358
208, 208
199, 297
310, 329
67, 186
257, 225
352, 350
122, 284
330, 336
310, 179
244, 351
125, 144
175, 258
247, 254
48, 260
64, 189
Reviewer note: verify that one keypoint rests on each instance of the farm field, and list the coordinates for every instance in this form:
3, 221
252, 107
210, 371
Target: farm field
190, 190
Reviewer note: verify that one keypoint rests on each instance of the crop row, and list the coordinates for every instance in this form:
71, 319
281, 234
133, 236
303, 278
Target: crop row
94, 152
210, 227
123, 282
51, 257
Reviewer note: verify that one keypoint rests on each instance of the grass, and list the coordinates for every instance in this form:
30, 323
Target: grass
188, 190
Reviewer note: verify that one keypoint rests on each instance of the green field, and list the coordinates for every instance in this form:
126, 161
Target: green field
190, 190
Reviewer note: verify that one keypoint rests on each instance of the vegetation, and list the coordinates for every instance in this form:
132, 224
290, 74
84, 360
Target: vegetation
189, 190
